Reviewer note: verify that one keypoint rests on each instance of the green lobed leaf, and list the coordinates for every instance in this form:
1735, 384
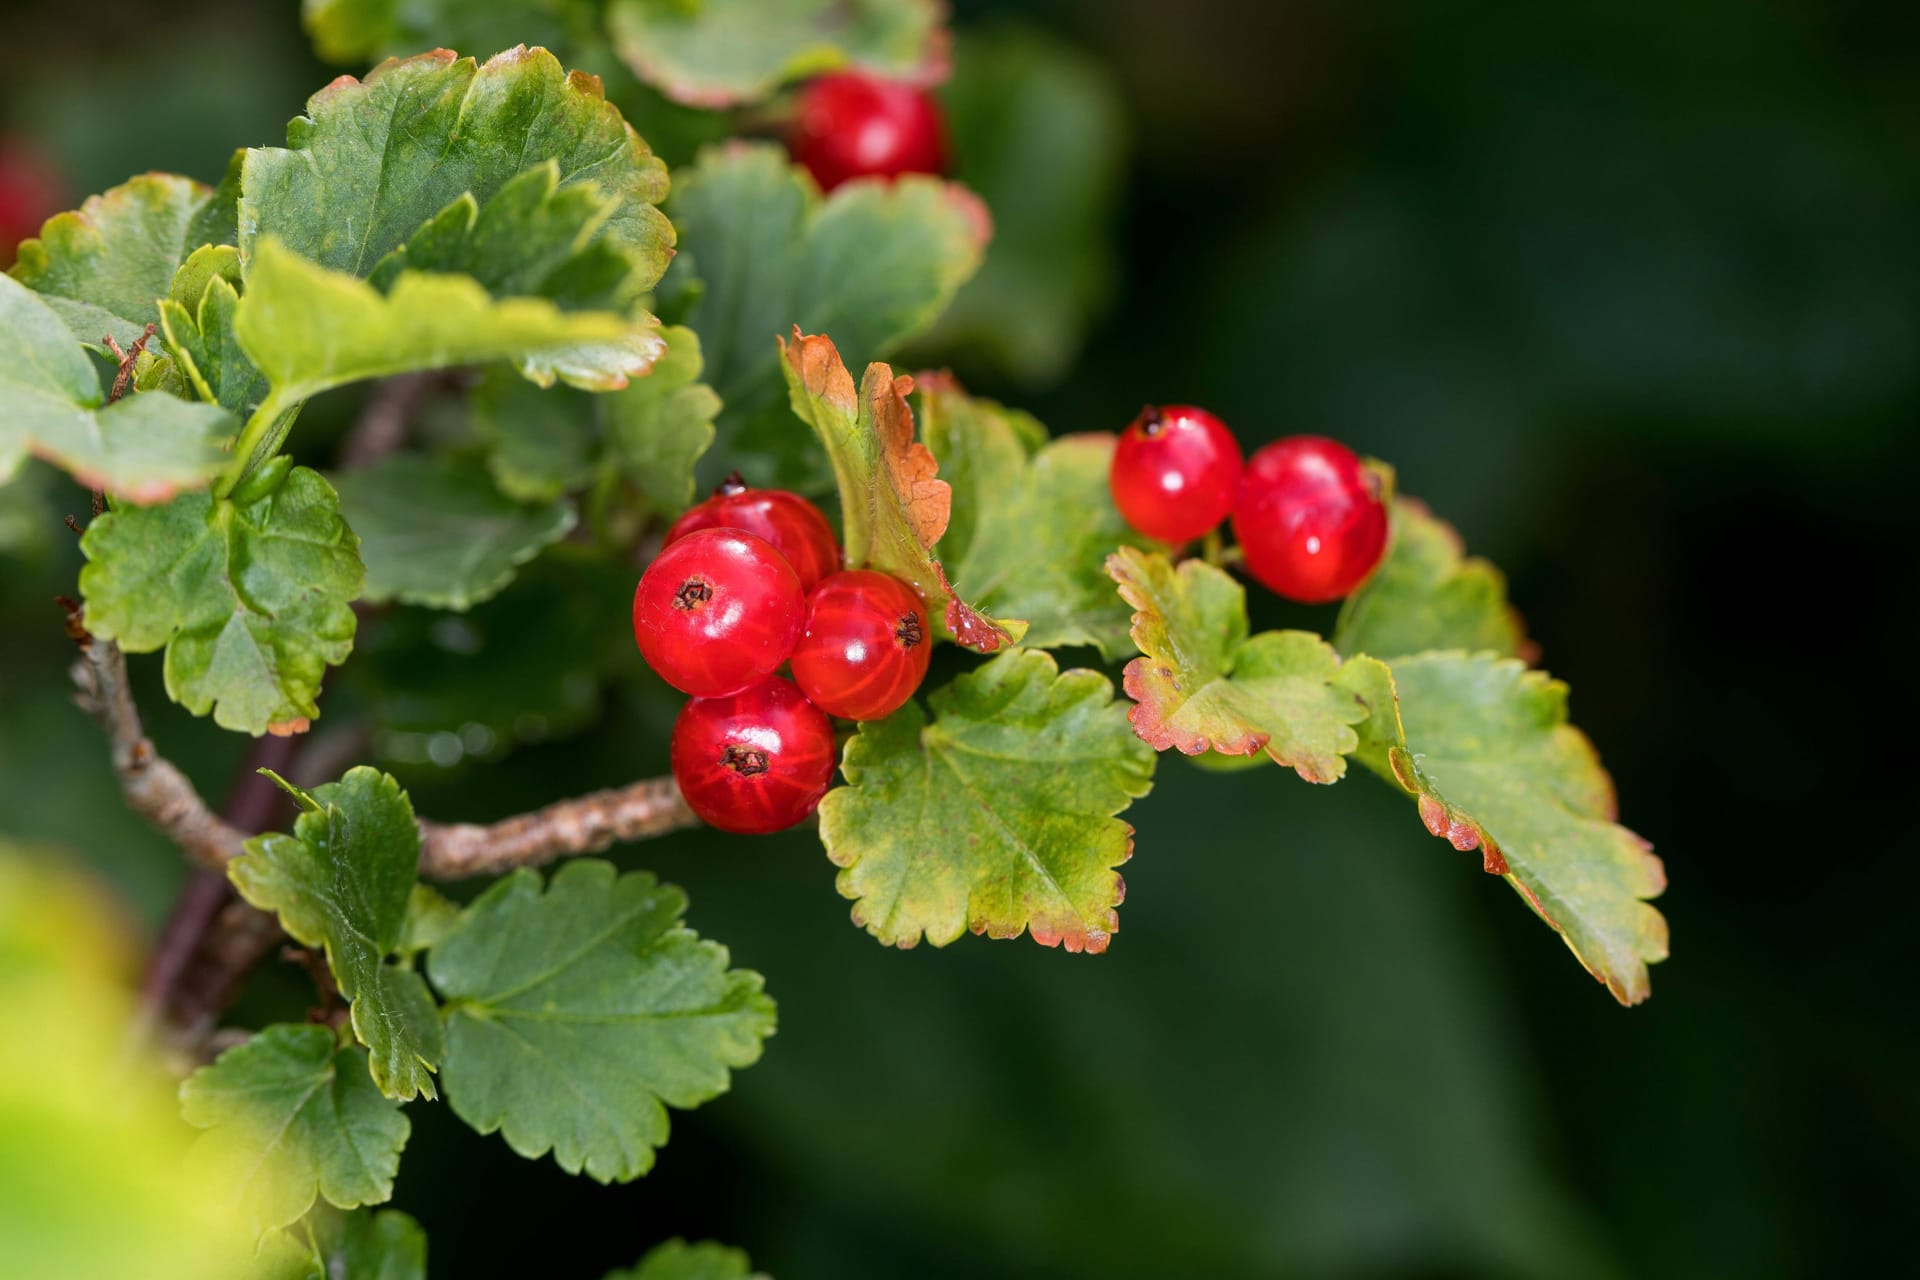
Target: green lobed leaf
1428, 594
1039, 130
1202, 684
997, 815
145, 447
1484, 745
197, 317
383, 1245
430, 916
375, 159
720, 53
1033, 522
653, 431
435, 531
342, 881
104, 267
251, 599
678, 1260
873, 264
363, 31
893, 505
289, 1120
576, 1016
309, 329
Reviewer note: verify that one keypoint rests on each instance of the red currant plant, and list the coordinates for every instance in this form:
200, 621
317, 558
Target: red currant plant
494, 239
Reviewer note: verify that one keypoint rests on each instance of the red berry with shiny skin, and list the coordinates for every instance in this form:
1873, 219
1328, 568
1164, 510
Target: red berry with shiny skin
754, 761
1310, 519
717, 611
849, 125
866, 645
793, 525
1175, 472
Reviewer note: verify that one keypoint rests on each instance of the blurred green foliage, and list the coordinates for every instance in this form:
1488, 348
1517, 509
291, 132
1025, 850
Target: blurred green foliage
1627, 291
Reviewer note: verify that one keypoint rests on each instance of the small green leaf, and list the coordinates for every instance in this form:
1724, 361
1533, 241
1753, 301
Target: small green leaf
342, 881
250, 598
435, 531
997, 816
720, 53
1485, 747
309, 329
374, 160
1032, 522
1039, 129
893, 505
1428, 594
546, 443
872, 264
576, 1016
104, 267
288, 1120
431, 916
383, 1245
197, 317
678, 1260
1202, 684
146, 447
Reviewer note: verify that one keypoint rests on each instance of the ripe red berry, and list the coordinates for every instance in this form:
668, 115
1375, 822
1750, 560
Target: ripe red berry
717, 611
754, 761
793, 525
1175, 472
849, 125
1310, 519
866, 645
30, 193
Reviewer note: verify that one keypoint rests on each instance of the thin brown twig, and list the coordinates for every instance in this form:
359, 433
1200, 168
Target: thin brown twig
382, 426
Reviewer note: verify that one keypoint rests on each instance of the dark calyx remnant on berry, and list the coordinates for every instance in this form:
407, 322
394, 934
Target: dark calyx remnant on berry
1151, 423
693, 593
734, 483
748, 762
909, 632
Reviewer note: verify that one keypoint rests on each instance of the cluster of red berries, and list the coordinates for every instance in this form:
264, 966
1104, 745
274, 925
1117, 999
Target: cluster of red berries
750, 580
1309, 516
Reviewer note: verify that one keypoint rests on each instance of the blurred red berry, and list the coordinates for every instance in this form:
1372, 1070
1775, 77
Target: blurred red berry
850, 125
30, 192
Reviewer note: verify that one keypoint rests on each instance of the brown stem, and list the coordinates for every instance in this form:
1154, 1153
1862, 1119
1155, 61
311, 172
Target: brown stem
585, 824
382, 426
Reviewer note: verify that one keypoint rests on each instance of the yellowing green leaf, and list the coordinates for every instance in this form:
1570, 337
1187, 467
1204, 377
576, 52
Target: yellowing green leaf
719, 53
92, 1178
872, 264
893, 505
1201, 683
290, 1120
1484, 745
146, 447
1428, 594
309, 329
383, 1245
1033, 522
250, 599
104, 267
997, 815
435, 531
342, 881
576, 1016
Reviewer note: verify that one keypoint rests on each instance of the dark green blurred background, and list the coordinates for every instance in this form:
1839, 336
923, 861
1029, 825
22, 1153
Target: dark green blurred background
1630, 291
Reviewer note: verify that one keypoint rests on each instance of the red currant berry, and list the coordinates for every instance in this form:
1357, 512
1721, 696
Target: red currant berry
1310, 519
754, 761
1175, 472
793, 525
30, 193
866, 645
717, 611
850, 125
